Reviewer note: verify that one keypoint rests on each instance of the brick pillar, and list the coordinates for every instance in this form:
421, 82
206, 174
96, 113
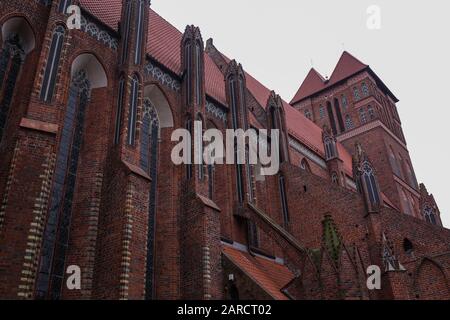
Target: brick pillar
120, 265
201, 268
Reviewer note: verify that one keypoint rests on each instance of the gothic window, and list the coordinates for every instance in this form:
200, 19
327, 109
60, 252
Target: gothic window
406, 203
408, 247
63, 5
308, 114
334, 178
11, 60
126, 31
120, 98
368, 178
365, 89
322, 112
139, 32
330, 148
51, 69
233, 97
132, 113
348, 122
56, 235
371, 112
199, 74
188, 72
331, 117
344, 102
284, 203
304, 165
149, 163
337, 109
429, 215
362, 116
356, 94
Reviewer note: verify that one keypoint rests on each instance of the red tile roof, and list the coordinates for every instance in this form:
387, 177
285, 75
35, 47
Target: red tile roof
164, 46
164, 43
108, 14
347, 66
271, 276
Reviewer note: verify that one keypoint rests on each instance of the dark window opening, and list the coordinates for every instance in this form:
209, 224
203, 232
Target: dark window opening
119, 110
132, 114
331, 117
56, 236
339, 115
51, 69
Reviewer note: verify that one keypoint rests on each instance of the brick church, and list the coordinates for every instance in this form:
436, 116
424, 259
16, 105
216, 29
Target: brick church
87, 180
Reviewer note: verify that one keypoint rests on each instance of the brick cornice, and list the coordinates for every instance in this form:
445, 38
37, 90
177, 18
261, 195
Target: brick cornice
39, 125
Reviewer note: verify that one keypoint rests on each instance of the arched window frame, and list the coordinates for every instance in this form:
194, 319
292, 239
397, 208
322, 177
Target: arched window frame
334, 178
188, 72
349, 122
368, 179
11, 60
63, 5
362, 116
51, 68
198, 74
60, 210
304, 165
430, 215
356, 94
126, 31
133, 108
139, 32
365, 89
330, 148
119, 110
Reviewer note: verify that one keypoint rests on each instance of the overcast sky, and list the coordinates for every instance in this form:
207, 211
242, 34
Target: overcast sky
276, 41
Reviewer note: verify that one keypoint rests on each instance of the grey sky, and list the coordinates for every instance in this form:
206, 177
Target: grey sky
276, 40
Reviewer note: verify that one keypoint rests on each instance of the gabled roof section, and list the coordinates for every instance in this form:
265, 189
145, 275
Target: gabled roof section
347, 66
313, 82
269, 275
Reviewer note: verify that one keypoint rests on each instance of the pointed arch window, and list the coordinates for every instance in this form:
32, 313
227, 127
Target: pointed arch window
51, 69
63, 5
330, 148
120, 99
199, 73
188, 72
284, 202
344, 102
132, 114
56, 235
430, 215
308, 114
371, 112
334, 178
149, 163
322, 112
362, 116
365, 89
126, 31
368, 178
139, 32
356, 94
393, 161
304, 165
199, 142
348, 122
11, 59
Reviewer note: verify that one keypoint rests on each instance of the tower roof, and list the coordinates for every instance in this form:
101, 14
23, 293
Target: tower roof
346, 67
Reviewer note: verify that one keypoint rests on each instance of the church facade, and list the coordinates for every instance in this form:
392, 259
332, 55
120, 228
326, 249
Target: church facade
87, 181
